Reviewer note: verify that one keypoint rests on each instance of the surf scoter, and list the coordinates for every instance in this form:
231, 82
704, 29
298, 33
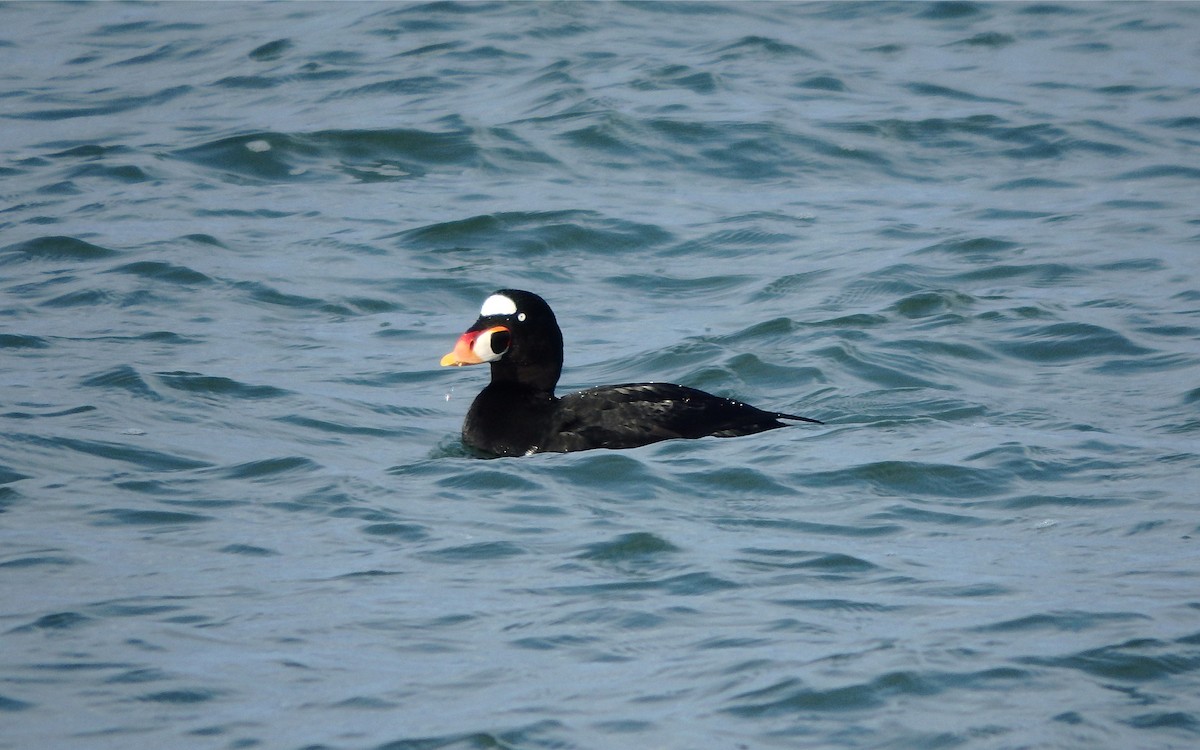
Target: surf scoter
518, 414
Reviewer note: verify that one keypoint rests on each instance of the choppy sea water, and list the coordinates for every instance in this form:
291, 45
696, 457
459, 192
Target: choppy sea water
236, 238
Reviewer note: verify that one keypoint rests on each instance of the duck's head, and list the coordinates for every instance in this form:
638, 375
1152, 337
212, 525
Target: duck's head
517, 333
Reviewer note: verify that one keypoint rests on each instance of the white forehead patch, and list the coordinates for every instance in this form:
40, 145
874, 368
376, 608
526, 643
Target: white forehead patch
497, 304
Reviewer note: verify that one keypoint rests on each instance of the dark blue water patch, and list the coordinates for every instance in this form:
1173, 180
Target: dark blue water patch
54, 622
684, 288
836, 564
38, 561
1027, 502
143, 517
163, 271
217, 386
89, 151
1139, 366
399, 87
110, 106
950, 10
1179, 123
932, 303
1035, 464
485, 482
1073, 621
936, 520
368, 575
124, 378
733, 481
49, 414
405, 532
998, 214
322, 155
248, 550
1135, 661
263, 293
548, 734
637, 588
123, 452
86, 298
917, 479
133, 608
336, 428
677, 76
537, 233
247, 82
182, 696
888, 370
793, 697
54, 249
137, 677
8, 497
477, 552
974, 249
270, 468
810, 527
1068, 342
552, 643
763, 47
156, 487
60, 188
1034, 184
127, 174
8, 475
636, 546
1035, 275
11, 705
823, 83
1167, 720
946, 133
991, 39
610, 475
270, 51
1160, 171
360, 702
532, 509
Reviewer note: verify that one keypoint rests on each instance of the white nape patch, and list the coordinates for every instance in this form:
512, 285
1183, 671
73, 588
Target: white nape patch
497, 304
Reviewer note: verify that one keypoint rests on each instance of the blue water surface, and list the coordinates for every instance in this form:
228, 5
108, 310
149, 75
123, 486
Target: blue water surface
235, 239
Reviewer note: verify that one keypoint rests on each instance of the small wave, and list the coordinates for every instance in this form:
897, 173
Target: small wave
389, 154
1132, 662
269, 468
122, 377
211, 385
793, 696
163, 271
1067, 342
123, 452
143, 517
54, 248
639, 546
21, 341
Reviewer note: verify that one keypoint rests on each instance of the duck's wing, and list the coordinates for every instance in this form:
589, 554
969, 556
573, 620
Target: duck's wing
634, 414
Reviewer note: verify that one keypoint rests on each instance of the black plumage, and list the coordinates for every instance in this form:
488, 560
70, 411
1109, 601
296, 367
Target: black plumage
518, 413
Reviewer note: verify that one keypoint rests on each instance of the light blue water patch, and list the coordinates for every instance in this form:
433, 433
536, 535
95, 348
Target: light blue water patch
235, 510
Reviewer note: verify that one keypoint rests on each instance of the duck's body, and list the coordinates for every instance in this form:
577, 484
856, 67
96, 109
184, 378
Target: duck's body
518, 413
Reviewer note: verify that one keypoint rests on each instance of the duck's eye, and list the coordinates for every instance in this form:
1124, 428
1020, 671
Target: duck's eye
500, 341
520, 317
